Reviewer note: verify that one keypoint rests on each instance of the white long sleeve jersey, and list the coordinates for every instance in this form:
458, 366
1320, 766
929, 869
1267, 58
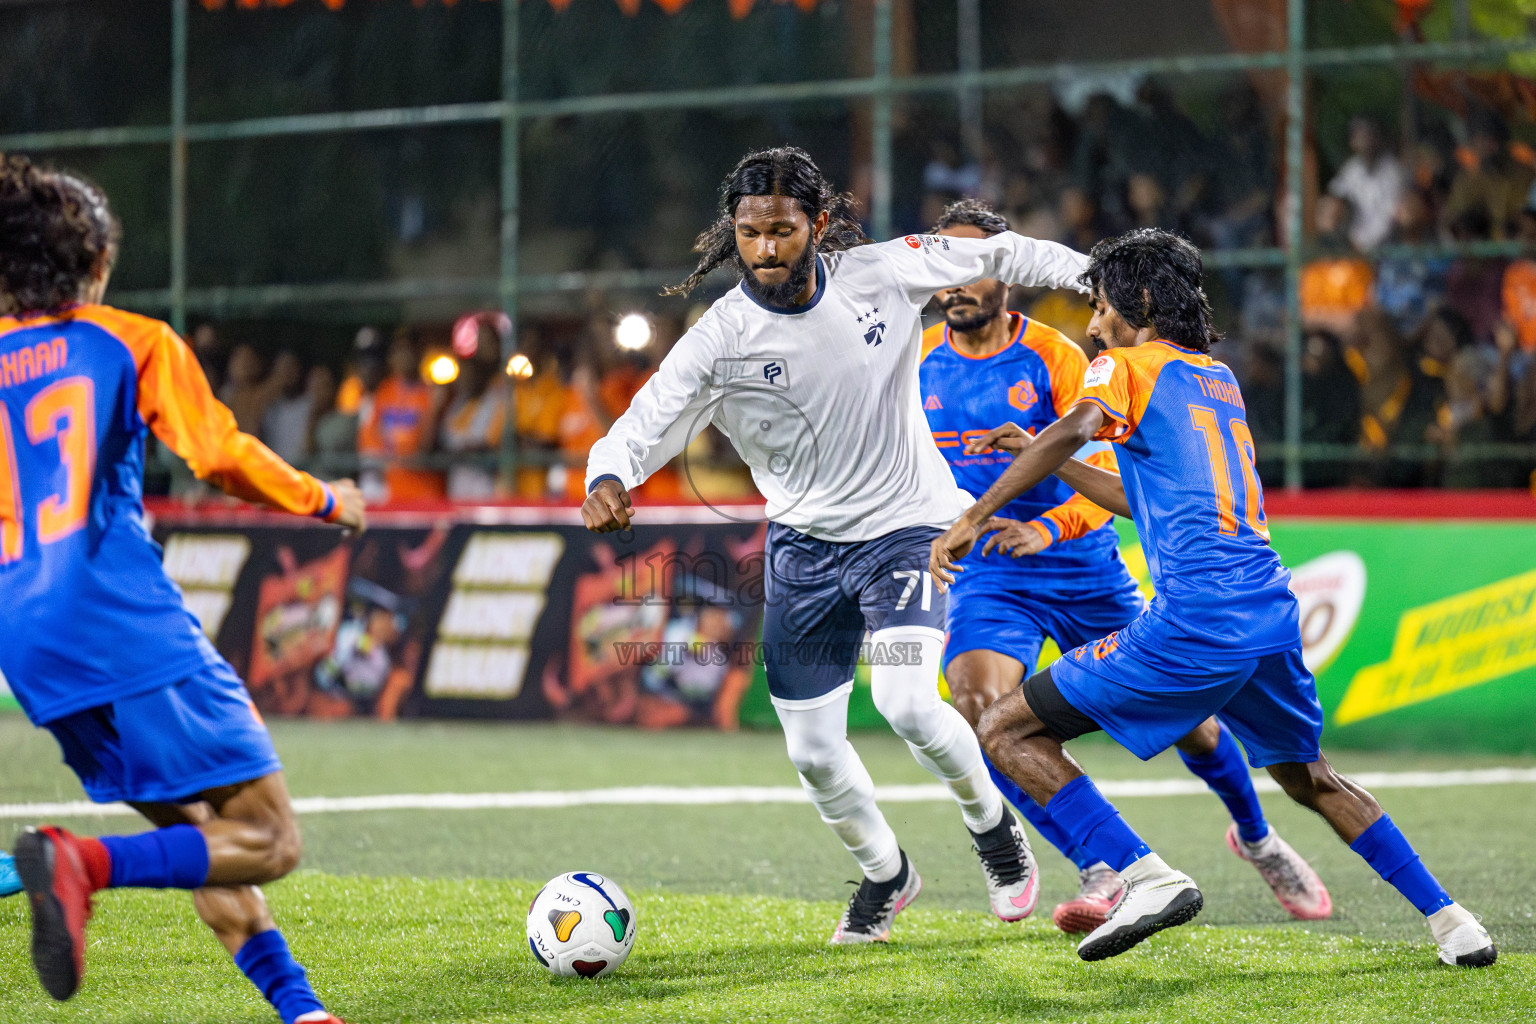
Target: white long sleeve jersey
822, 400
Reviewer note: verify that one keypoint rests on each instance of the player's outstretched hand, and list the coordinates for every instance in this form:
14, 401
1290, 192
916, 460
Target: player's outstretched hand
1010, 437
607, 508
354, 510
948, 548
1011, 538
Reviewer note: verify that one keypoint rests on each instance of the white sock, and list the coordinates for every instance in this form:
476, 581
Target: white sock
816, 734
971, 791
847, 805
941, 740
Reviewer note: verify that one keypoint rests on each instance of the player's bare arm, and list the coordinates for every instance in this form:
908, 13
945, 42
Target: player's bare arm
1051, 448
607, 509
1098, 485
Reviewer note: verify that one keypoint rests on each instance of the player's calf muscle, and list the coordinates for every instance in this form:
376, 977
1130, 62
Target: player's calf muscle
1348, 808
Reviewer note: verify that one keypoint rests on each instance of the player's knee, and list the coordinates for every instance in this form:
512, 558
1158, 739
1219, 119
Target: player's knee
1202, 740
908, 709
970, 689
282, 849
1308, 784
816, 757
970, 704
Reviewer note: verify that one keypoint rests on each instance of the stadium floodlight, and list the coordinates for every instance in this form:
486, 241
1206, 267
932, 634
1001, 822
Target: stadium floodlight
520, 367
633, 332
441, 369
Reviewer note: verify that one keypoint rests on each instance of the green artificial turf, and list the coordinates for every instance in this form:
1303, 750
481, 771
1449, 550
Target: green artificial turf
418, 915
400, 949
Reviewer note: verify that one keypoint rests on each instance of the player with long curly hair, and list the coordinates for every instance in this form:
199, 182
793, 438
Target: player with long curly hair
810, 368
100, 648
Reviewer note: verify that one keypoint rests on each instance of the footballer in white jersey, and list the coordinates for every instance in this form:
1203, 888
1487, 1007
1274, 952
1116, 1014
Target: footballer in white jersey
810, 368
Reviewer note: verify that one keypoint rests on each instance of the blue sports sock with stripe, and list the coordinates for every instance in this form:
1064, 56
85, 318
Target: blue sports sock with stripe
1394, 858
1225, 771
1040, 818
166, 858
1093, 823
277, 975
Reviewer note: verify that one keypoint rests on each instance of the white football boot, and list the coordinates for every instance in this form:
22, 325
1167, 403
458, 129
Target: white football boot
1155, 897
874, 907
1462, 940
1008, 864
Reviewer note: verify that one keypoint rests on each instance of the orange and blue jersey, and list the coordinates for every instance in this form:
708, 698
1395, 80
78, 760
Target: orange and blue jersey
1187, 462
1031, 381
91, 616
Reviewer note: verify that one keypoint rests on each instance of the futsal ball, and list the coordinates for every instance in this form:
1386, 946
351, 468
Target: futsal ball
581, 924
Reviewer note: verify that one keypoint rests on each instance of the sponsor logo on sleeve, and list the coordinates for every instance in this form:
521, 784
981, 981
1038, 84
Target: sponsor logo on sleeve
1099, 372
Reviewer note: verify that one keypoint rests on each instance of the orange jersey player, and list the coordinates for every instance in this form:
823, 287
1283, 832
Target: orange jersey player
99, 647
1223, 635
1065, 578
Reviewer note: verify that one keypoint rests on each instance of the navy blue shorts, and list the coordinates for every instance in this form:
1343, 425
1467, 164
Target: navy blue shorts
985, 614
1148, 699
821, 596
170, 744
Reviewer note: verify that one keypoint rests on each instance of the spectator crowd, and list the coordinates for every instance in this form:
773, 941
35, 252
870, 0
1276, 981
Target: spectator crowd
382, 418
1418, 362
1418, 366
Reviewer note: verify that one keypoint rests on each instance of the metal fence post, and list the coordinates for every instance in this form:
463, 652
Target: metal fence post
179, 165
881, 143
511, 129
968, 60
1295, 188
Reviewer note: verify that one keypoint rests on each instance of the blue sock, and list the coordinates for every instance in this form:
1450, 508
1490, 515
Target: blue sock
1093, 823
277, 975
1040, 818
1385, 849
1225, 771
167, 858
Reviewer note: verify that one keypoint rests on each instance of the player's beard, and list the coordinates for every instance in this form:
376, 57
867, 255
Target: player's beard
966, 317
787, 291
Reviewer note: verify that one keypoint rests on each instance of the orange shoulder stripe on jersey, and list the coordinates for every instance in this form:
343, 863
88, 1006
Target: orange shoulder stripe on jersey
933, 337
1063, 359
1131, 386
175, 401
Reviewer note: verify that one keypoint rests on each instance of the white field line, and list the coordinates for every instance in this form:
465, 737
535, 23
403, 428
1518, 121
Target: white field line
658, 796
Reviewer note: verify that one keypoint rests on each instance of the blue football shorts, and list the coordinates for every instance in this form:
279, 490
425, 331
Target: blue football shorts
1148, 699
821, 596
987, 614
170, 744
